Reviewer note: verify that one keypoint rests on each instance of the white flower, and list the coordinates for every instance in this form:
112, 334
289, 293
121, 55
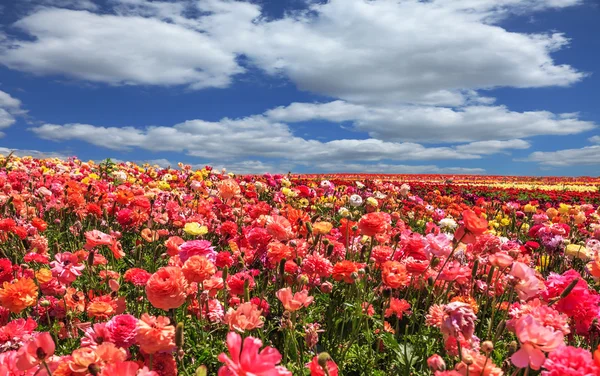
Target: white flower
380, 196
404, 189
360, 185
344, 212
356, 200
448, 223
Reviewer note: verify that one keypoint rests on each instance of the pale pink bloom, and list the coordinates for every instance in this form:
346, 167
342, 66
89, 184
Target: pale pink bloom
535, 339
528, 285
95, 238
501, 260
293, 302
95, 335
246, 360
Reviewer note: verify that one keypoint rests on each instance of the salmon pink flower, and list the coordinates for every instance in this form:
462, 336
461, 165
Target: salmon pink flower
166, 289
374, 223
293, 302
535, 339
246, 316
154, 334
36, 351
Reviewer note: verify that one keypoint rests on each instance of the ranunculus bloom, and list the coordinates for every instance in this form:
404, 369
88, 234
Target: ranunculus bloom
343, 271
122, 329
570, 361
197, 248
37, 350
96, 238
154, 334
394, 274
247, 360
473, 226
18, 295
293, 302
228, 189
246, 316
198, 269
279, 227
374, 223
166, 289
535, 339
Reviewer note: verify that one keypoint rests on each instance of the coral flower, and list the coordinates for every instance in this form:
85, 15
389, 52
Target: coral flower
247, 360
344, 270
198, 269
154, 334
374, 223
279, 227
37, 350
96, 238
18, 295
166, 289
293, 302
394, 274
247, 316
473, 227
82, 359
102, 307
535, 339
228, 189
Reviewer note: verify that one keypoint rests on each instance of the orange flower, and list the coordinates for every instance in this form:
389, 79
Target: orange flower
149, 235
473, 226
322, 228
19, 295
102, 307
75, 300
228, 189
198, 269
155, 334
247, 316
82, 359
166, 289
278, 251
43, 275
293, 302
343, 271
394, 274
110, 353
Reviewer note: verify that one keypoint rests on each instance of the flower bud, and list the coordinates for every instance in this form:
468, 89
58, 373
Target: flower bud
326, 287
179, 335
487, 347
323, 358
436, 363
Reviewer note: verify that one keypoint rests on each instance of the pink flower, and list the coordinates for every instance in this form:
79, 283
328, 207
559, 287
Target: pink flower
535, 339
293, 302
67, 267
316, 369
126, 369
36, 351
197, 248
247, 316
122, 329
95, 238
570, 361
246, 360
279, 227
458, 318
528, 285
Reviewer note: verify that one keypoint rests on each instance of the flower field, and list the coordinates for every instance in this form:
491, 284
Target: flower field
122, 269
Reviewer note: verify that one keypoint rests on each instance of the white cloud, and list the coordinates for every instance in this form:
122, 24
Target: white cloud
493, 146
383, 51
71, 4
595, 139
9, 108
118, 50
589, 155
254, 136
30, 153
395, 169
436, 124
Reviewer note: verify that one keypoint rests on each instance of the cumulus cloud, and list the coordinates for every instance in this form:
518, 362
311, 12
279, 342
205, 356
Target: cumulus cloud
4, 151
595, 139
436, 124
9, 108
396, 168
118, 50
384, 51
589, 155
250, 137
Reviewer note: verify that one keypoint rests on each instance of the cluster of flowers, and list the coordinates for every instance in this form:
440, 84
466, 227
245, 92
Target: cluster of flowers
122, 269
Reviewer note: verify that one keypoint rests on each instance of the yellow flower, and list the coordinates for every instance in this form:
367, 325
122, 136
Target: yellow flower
525, 227
372, 201
163, 185
577, 251
529, 208
563, 208
194, 228
505, 221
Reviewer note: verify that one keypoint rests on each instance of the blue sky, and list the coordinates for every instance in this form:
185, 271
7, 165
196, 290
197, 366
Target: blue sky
504, 87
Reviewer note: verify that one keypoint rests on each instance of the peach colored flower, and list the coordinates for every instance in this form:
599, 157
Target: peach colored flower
279, 227
198, 269
166, 289
82, 359
155, 334
228, 189
18, 295
293, 302
247, 316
